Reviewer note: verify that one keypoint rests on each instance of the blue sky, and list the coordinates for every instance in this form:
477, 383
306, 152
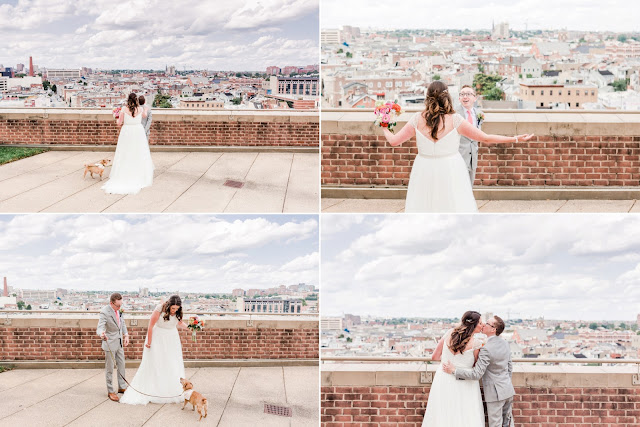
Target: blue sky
556, 266
203, 253
593, 15
234, 35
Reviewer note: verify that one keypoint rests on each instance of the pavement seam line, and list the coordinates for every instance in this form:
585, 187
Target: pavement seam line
21, 384
194, 183
229, 398
562, 205
43, 166
125, 195
286, 190
632, 205
243, 179
49, 397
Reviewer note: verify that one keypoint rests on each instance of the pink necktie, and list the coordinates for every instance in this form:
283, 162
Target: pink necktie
118, 317
469, 118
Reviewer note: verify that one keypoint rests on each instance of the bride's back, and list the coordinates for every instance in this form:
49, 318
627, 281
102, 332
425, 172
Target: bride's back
465, 359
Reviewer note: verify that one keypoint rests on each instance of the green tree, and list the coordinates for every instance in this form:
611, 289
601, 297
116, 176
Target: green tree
29, 307
436, 77
236, 101
623, 326
619, 85
162, 101
340, 336
46, 85
349, 339
481, 68
622, 38
485, 82
340, 50
529, 76
54, 88
349, 55
582, 40
495, 94
21, 305
593, 326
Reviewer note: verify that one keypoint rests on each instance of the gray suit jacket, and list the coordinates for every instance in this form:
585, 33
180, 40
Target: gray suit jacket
469, 148
109, 325
146, 122
495, 368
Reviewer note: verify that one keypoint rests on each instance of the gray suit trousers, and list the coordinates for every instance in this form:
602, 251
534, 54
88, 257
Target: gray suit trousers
118, 353
499, 413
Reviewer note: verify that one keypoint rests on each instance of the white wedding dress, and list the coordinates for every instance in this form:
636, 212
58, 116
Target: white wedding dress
453, 402
439, 180
161, 367
132, 167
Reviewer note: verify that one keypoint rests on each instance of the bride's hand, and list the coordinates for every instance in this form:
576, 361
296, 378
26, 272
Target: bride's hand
148, 345
525, 137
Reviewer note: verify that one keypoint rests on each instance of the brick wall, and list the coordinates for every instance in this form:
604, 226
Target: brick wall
360, 406
210, 128
568, 150
81, 343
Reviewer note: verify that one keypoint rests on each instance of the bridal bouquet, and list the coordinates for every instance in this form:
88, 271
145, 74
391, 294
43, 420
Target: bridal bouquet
195, 324
386, 114
116, 112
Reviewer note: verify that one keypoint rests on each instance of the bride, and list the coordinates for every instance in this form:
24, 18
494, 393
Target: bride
132, 167
439, 180
162, 366
454, 403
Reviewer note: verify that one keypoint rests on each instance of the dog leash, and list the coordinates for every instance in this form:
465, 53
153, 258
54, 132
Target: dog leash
134, 389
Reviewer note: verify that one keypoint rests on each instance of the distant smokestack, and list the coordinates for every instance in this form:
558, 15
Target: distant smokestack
5, 293
31, 66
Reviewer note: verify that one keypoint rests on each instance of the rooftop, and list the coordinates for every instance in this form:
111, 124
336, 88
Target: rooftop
184, 181
236, 396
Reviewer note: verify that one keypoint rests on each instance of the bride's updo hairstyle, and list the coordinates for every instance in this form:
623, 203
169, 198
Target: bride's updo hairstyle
438, 103
132, 103
462, 333
166, 309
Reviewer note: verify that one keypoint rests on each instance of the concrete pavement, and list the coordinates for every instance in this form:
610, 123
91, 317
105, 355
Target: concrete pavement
183, 182
331, 205
236, 396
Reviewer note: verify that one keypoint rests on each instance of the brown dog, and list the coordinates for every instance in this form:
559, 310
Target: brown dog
196, 399
97, 168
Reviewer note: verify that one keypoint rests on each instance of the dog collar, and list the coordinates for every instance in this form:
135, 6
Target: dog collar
187, 394
100, 165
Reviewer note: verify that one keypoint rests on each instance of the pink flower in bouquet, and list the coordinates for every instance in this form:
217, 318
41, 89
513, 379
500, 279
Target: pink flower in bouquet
116, 112
386, 114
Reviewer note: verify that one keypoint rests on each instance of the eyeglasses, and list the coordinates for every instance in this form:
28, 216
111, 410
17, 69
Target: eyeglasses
466, 94
489, 324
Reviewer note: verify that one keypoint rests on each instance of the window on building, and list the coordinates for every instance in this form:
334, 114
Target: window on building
533, 92
577, 93
388, 84
398, 84
559, 92
593, 93
569, 104
542, 92
379, 84
407, 83
550, 93
542, 104
577, 104
568, 92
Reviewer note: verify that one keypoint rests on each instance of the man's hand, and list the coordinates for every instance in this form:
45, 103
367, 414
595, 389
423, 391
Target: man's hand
126, 340
448, 368
103, 336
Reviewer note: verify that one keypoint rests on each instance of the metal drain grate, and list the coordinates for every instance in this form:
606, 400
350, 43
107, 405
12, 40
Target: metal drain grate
234, 184
283, 411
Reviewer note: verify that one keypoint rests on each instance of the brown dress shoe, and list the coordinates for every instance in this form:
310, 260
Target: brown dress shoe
114, 397
122, 390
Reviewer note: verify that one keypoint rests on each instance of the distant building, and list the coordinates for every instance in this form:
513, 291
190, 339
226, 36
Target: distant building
331, 323
61, 74
552, 95
238, 292
144, 292
298, 85
201, 104
500, 31
269, 305
329, 37
273, 71
29, 295
4, 84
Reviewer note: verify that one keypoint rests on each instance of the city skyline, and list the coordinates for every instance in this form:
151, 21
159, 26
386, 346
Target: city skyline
579, 268
188, 253
521, 14
241, 35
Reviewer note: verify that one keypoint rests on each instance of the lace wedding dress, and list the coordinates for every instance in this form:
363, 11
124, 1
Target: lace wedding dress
132, 167
161, 367
439, 180
453, 402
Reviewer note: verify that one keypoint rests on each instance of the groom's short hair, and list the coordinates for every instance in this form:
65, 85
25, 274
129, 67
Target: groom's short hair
115, 296
499, 325
141, 100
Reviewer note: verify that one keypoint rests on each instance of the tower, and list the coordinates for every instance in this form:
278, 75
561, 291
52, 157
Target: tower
31, 66
5, 293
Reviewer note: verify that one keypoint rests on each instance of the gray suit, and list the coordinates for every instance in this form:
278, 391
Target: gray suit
146, 122
495, 368
108, 324
469, 148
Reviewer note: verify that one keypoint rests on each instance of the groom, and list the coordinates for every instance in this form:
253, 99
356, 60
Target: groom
113, 332
494, 367
146, 121
469, 148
